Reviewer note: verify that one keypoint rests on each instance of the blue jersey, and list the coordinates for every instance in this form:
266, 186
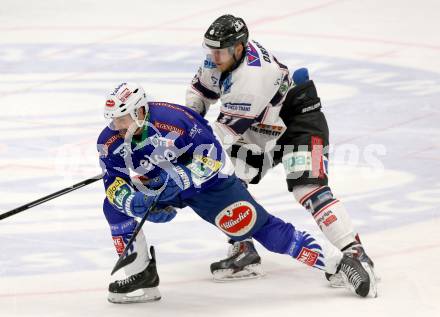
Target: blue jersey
172, 134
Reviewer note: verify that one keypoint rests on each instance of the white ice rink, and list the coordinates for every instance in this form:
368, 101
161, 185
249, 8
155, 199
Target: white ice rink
376, 65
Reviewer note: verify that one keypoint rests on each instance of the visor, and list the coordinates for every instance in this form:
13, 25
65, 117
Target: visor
220, 55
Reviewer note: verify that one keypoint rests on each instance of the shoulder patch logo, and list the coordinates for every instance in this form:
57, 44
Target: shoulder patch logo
253, 59
118, 191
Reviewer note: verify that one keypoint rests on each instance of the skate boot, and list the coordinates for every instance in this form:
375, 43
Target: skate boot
357, 276
357, 250
137, 288
243, 262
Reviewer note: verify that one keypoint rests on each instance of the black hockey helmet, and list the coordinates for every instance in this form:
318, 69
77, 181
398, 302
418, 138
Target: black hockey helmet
226, 31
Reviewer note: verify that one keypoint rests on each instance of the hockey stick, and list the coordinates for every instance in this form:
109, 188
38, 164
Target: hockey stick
126, 260
50, 197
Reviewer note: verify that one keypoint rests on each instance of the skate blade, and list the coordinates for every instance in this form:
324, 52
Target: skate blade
252, 271
142, 295
337, 281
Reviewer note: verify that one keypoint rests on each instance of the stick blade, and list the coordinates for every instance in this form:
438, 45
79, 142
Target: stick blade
124, 261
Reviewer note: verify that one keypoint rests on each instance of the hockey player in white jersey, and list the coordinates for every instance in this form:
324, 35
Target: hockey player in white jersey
265, 119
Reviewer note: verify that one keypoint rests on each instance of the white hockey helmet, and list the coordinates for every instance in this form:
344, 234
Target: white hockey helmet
125, 99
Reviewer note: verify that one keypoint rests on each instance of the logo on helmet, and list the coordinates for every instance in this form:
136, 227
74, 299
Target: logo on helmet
109, 103
238, 25
123, 96
115, 91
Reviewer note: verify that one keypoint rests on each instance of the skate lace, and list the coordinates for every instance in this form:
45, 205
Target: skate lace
128, 280
234, 249
353, 276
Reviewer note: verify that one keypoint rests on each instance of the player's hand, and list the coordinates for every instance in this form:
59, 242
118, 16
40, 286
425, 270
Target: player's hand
140, 204
172, 184
300, 76
160, 214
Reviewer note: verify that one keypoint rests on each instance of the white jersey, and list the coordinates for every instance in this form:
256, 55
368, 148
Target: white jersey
251, 98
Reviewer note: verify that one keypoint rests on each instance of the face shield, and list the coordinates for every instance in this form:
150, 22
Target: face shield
219, 56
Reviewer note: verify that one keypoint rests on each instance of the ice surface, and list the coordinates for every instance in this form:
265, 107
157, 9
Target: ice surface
377, 68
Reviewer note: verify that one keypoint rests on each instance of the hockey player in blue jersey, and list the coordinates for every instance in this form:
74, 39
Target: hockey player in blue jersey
158, 156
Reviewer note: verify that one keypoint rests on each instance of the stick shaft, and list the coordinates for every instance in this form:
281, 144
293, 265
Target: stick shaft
121, 263
50, 197
123, 259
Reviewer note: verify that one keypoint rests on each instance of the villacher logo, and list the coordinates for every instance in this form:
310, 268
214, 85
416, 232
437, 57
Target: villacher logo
237, 219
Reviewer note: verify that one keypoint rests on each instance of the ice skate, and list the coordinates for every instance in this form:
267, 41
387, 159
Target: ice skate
137, 288
357, 276
243, 262
357, 250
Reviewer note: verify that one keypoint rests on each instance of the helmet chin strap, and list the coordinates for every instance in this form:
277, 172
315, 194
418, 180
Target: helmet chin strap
135, 116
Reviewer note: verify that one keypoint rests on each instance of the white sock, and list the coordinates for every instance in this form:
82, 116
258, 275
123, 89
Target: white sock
142, 259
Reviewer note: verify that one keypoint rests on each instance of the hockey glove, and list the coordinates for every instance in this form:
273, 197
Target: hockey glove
140, 204
169, 187
300, 76
162, 214
179, 179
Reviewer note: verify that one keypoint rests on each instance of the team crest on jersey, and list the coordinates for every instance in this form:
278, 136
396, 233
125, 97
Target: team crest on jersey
237, 219
226, 84
253, 59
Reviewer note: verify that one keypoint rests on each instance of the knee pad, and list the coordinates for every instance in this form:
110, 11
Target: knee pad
315, 199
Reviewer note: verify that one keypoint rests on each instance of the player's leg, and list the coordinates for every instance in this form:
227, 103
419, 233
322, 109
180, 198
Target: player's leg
305, 160
280, 237
141, 284
332, 218
248, 168
231, 208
